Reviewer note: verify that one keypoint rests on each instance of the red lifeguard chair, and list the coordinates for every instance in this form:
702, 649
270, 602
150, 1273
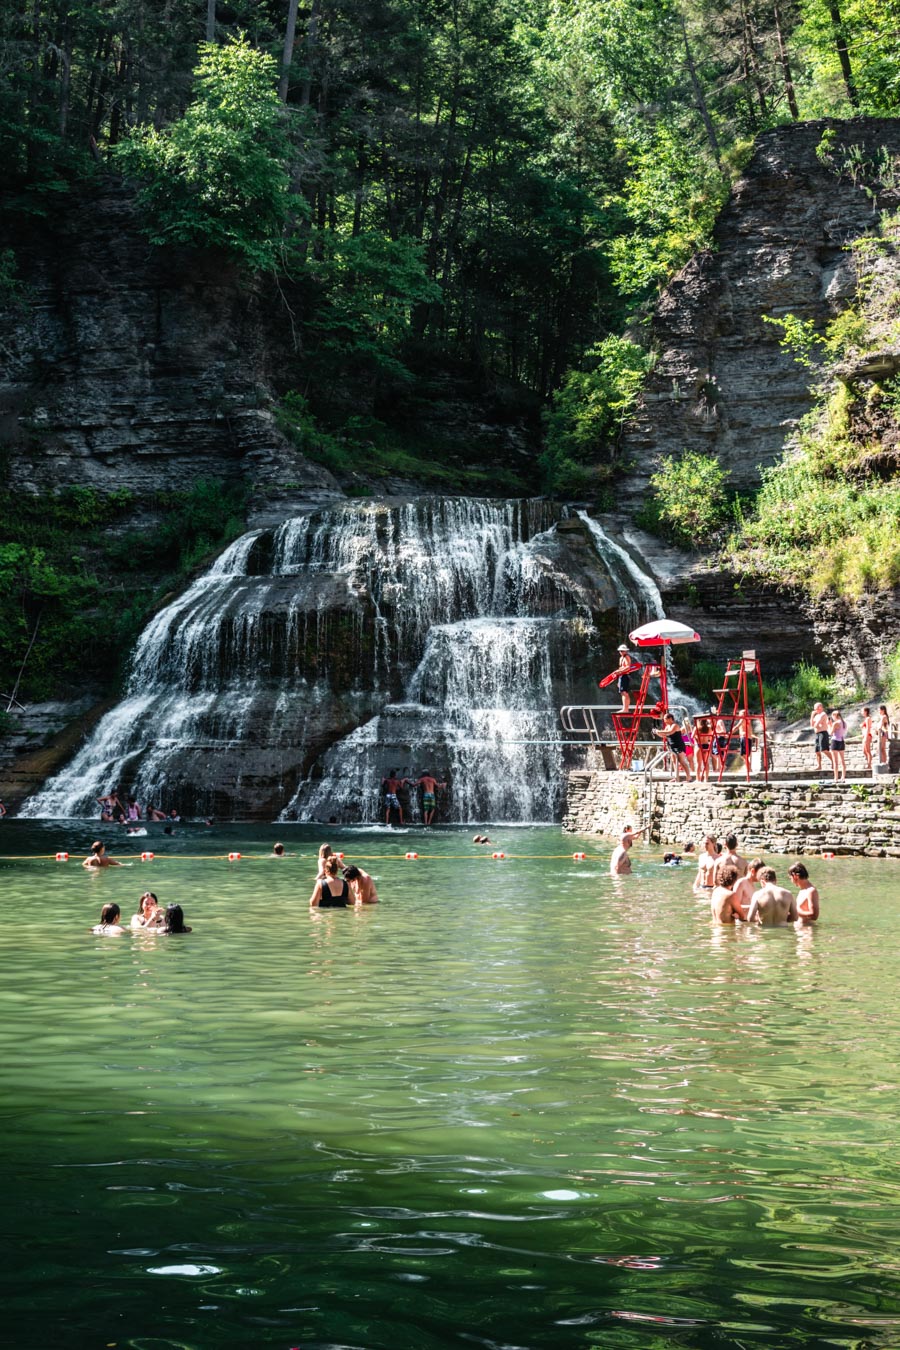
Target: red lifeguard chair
661, 633
742, 677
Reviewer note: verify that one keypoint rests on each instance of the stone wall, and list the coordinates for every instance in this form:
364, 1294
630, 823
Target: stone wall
722, 384
794, 817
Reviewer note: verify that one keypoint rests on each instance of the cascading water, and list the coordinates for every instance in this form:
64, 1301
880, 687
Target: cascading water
433, 635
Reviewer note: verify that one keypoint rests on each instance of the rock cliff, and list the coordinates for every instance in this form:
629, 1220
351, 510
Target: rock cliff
721, 383
130, 366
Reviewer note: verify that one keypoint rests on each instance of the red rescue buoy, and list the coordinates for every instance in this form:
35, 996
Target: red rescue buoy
147, 857
410, 856
234, 857
579, 857
62, 857
498, 855
827, 855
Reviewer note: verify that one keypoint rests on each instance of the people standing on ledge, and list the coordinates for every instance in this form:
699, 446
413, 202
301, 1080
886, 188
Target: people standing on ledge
98, 857
671, 733
837, 730
429, 785
623, 683
818, 720
620, 863
390, 788
807, 896
884, 732
867, 728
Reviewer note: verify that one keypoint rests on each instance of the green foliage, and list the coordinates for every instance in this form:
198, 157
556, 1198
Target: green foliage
364, 448
795, 696
588, 413
671, 198
892, 675
691, 498
702, 677
86, 589
217, 177
799, 337
369, 287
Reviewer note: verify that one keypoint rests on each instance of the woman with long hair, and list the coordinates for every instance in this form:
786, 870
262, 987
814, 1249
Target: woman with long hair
330, 891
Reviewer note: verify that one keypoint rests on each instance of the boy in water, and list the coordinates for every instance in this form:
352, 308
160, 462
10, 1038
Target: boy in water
807, 896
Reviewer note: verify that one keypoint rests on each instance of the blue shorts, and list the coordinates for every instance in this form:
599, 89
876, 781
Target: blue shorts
390, 800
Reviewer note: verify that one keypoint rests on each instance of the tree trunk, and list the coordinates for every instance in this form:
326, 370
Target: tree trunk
288, 54
312, 38
701, 101
786, 67
752, 60
840, 42
210, 20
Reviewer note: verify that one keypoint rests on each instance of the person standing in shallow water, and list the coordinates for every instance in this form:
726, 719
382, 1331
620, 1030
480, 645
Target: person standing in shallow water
620, 863
807, 896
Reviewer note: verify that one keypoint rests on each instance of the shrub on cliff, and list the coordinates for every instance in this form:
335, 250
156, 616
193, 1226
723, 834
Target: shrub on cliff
217, 178
690, 498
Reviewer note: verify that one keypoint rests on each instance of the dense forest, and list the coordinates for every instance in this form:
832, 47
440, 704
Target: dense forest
459, 180
468, 190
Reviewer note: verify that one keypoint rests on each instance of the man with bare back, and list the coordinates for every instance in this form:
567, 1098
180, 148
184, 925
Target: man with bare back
745, 888
772, 905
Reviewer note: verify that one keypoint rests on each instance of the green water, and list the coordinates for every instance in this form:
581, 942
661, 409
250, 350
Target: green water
518, 1104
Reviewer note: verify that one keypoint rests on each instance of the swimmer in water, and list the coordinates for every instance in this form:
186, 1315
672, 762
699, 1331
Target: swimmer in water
325, 852
721, 901
99, 857
620, 863
807, 896
706, 865
149, 912
731, 855
772, 905
746, 888
278, 851
175, 920
331, 891
109, 925
362, 887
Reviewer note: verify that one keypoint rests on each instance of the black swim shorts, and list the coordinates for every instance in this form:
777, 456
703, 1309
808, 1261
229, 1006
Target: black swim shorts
623, 684
823, 742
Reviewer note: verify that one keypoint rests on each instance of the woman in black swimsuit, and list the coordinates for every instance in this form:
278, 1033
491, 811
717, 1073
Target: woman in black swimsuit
332, 892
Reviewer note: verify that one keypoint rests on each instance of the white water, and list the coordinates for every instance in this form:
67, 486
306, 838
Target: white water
441, 629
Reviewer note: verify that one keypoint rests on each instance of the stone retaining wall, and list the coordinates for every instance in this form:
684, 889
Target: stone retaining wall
797, 818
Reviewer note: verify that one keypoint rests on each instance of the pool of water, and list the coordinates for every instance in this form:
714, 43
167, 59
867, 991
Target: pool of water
517, 1104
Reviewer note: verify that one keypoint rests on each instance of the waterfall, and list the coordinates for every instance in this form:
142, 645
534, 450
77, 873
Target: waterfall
436, 635
639, 596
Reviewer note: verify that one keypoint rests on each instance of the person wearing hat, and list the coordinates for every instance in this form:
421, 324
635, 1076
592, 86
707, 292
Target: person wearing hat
623, 684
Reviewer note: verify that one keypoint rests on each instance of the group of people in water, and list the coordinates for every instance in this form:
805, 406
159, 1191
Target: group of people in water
150, 917
739, 890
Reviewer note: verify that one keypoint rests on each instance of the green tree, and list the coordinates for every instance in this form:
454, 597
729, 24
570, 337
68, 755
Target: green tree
691, 498
217, 178
589, 411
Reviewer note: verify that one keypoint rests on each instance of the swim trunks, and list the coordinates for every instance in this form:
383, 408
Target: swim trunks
676, 742
428, 801
623, 684
823, 741
390, 799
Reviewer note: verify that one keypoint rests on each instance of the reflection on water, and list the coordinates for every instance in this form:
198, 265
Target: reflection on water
519, 1103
